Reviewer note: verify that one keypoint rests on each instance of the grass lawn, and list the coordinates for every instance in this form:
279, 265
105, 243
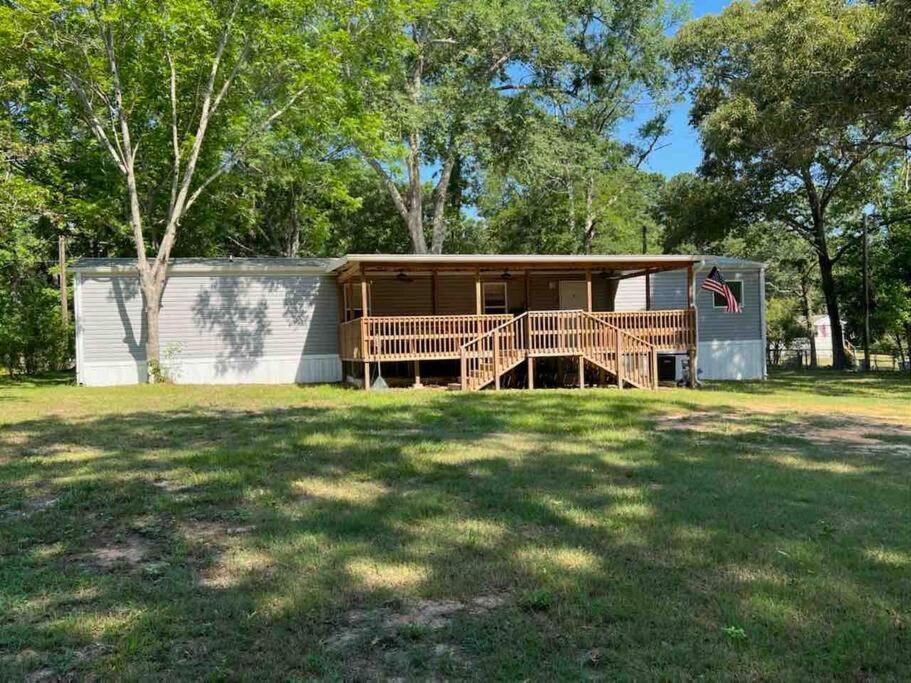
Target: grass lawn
745, 531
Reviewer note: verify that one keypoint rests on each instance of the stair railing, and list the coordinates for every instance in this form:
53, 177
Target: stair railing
487, 357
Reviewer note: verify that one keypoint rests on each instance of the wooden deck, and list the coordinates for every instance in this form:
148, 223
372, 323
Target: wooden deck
624, 344
441, 337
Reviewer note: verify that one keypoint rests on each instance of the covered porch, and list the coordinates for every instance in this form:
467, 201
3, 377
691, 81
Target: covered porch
492, 313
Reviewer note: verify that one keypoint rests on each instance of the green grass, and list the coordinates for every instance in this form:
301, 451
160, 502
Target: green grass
745, 531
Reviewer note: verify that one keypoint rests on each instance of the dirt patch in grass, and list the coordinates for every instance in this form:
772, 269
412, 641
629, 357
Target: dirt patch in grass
30, 506
875, 435
207, 532
131, 552
392, 619
378, 643
837, 432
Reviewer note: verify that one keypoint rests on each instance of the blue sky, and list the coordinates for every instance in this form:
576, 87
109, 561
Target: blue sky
680, 151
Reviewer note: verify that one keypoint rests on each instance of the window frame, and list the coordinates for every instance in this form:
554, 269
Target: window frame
484, 287
724, 304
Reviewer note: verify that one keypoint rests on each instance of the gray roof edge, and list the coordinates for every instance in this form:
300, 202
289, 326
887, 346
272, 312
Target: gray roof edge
554, 258
204, 265
327, 265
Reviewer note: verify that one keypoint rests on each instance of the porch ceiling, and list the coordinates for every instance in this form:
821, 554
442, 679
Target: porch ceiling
627, 265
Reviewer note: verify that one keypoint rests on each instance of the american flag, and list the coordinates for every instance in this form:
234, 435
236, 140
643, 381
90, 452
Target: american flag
715, 283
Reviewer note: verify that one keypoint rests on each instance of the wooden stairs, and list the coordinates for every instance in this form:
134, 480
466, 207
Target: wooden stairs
630, 360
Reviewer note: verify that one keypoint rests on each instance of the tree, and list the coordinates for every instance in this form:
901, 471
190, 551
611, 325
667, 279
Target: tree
437, 94
175, 92
565, 152
776, 117
33, 337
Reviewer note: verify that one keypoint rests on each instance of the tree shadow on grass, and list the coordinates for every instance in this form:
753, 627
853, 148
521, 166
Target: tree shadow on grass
557, 533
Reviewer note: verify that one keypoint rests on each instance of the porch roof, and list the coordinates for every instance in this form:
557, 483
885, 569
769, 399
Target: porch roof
352, 264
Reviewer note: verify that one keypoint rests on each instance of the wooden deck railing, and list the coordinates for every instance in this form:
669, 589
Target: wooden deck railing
413, 337
670, 330
428, 337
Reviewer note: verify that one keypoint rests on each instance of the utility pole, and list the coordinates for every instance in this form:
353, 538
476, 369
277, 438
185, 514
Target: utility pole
61, 258
866, 267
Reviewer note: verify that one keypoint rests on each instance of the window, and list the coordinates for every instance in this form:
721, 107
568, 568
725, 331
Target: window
494, 297
736, 287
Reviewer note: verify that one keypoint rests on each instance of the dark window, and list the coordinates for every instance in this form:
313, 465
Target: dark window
494, 298
736, 287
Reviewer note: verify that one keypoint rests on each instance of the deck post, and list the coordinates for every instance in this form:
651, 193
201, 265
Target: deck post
619, 351
690, 304
496, 359
654, 362
366, 375
531, 372
464, 363
691, 355
417, 375
581, 372
478, 298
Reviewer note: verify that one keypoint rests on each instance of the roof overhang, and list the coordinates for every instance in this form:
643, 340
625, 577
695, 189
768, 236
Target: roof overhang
619, 264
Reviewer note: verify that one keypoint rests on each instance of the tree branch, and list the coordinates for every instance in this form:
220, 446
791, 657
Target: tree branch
439, 203
391, 187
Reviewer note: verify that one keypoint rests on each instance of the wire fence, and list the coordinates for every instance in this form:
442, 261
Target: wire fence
797, 359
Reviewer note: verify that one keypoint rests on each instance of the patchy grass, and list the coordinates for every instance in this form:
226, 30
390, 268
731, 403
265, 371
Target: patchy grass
746, 531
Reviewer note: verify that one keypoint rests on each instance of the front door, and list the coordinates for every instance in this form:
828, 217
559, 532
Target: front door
573, 295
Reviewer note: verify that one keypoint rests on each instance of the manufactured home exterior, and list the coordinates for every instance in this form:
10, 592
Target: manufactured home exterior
277, 320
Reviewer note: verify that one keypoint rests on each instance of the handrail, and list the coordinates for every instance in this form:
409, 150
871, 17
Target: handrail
638, 365
486, 358
625, 333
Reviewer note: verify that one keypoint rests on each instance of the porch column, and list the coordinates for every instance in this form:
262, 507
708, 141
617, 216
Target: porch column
581, 372
690, 285
364, 313
527, 297
690, 304
588, 290
478, 299
648, 290
531, 372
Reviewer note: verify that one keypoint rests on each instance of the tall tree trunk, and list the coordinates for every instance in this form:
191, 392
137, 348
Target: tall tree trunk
820, 243
589, 232
152, 289
811, 329
901, 350
908, 335
839, 359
